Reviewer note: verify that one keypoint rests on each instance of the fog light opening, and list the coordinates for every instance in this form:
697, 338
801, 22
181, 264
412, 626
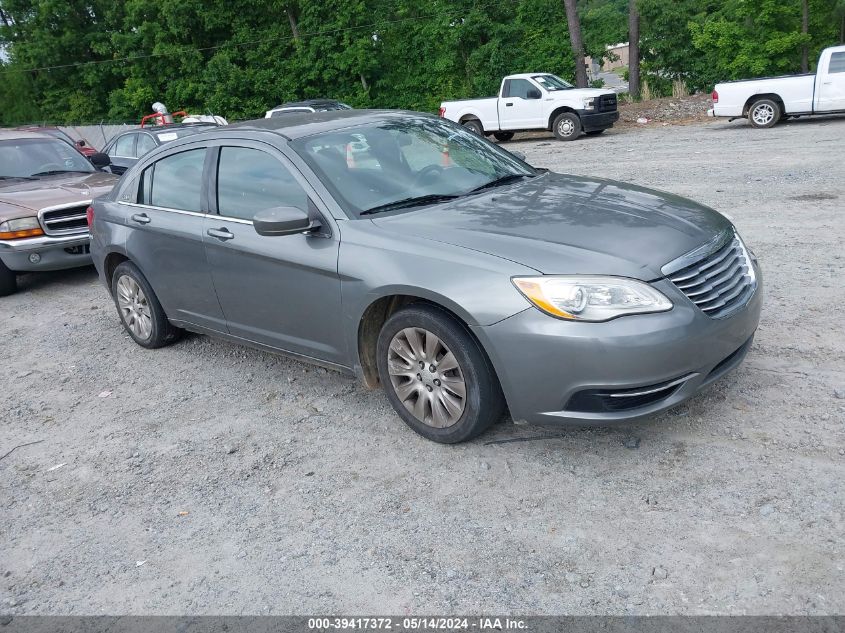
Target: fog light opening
34, 258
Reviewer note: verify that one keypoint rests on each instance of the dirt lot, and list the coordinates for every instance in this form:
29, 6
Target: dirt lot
208, 478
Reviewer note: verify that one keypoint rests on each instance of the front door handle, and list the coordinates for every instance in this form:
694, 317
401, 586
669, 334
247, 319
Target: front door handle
221, 234
508, 105
141, 218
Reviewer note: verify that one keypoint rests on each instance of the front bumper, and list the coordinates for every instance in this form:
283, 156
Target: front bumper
598, 120
556, 372
55, 253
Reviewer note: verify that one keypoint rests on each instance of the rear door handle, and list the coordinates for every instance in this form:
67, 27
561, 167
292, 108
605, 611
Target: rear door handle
223, 234
141, 218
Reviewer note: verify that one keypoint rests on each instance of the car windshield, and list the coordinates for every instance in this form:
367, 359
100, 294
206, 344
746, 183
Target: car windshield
393, 163
25, 158
552, 82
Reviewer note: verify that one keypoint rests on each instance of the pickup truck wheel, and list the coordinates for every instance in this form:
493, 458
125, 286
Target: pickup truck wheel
8, 281
567, 126
140, 312
764, 113
503, 136
474, 126
436, 376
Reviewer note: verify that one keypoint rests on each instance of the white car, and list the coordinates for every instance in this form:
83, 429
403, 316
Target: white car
766, 101
536, 101
311, 105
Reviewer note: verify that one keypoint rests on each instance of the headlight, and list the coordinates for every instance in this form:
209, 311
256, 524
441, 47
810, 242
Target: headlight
590, 103
22, 227
581, 298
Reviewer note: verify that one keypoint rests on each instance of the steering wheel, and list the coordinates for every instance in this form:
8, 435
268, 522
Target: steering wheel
427, 171
47, 167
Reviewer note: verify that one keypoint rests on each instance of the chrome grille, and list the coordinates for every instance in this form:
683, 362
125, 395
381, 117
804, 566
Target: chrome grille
65, 220
720, 283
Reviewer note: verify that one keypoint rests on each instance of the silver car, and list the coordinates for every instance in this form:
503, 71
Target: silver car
403, 249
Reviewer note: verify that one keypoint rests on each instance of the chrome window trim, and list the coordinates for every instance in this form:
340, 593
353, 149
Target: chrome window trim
183, 212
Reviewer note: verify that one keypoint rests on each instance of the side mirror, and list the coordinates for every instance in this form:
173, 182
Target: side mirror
282, 221
100, 160
533, 93
80, 143
519, 155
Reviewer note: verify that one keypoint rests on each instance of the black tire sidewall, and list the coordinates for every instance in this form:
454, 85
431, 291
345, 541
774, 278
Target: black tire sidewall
8, 281
576, 121
474, 126
484, 402
161, 331
503, 137
773, 104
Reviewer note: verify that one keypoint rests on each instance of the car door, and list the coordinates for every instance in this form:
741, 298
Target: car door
281, 291
831, 90
122, 152
520, 107
166, 240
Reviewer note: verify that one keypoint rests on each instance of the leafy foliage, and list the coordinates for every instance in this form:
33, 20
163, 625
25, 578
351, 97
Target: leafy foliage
92, 60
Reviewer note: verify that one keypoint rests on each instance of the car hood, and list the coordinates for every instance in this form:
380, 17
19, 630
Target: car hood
560, 224
585, 93
19, 198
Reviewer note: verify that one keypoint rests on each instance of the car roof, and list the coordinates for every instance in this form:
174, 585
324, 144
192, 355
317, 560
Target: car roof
308, 103
298, 125
11, 135
526, 75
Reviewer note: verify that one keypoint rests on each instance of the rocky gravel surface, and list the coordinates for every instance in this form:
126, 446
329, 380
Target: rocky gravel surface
206, 478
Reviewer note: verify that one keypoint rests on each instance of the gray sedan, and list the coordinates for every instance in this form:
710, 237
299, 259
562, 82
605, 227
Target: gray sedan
398, 247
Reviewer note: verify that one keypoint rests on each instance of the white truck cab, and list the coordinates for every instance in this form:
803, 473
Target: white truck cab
536, 101
766, 101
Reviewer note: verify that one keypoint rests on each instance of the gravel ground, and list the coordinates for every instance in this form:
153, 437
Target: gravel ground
208, 478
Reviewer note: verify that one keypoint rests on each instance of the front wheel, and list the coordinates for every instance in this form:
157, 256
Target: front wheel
764, 113
140, 312
567, 126
503, 136
436, 376
474, 126
8, 281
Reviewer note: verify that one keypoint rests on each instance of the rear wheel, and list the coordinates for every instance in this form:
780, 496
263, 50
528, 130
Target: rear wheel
567, 126
8, 281
140, 312
474, 126
503, 136
436, 376
764, 113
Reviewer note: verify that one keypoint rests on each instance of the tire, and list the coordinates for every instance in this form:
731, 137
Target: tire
594, 132
8, 281
567, 126
764, 113
503, 136
474, 126
139, 309
469, 372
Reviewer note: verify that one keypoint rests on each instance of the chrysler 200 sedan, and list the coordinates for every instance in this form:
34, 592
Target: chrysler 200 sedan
401, 248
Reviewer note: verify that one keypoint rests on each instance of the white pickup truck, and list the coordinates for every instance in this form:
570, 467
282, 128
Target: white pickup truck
766, 101
536, 101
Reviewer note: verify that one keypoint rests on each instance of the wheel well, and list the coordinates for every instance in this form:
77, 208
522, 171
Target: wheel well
113, 260
374, 317
755, 98
558, 111
468, 117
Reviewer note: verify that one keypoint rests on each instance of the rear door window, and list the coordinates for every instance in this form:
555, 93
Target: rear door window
250, 180
145, 144
124, 146
837, 63
176, 181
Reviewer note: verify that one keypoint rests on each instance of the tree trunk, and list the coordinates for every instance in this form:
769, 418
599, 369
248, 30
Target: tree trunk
805, 30
577, 43
293, 26
633, 50
363, 82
